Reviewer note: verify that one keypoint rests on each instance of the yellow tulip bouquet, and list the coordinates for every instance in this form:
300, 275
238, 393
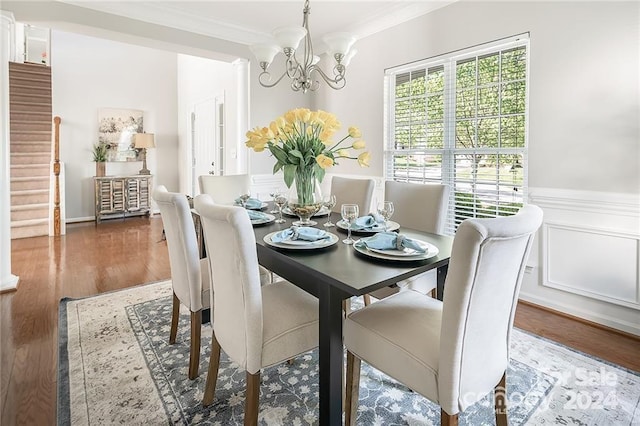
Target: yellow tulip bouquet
301, 141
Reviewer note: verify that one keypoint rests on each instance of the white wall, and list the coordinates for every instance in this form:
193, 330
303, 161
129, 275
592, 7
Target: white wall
584, 134
90, 73
201, 79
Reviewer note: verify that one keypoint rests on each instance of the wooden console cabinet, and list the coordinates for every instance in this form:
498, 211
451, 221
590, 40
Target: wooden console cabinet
122, 196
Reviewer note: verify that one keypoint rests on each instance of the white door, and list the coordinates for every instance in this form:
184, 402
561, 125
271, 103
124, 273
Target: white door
207, 144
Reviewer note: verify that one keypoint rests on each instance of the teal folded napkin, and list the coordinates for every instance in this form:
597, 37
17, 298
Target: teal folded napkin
256, 215
390, 241
304, 233
251, 203
372, 220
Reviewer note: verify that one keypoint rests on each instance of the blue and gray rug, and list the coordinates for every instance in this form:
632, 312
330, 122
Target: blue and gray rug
116, 366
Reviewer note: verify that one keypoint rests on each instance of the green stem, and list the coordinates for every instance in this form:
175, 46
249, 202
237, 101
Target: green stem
305, 182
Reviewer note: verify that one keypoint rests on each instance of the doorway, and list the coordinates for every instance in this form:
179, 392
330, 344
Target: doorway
208, 144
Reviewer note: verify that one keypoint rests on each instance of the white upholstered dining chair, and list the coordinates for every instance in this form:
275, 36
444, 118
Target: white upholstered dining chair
256, 326
352, 191
453, 352
190, 277
224, 189
422, 207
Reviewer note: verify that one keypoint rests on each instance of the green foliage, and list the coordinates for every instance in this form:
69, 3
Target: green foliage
99, 152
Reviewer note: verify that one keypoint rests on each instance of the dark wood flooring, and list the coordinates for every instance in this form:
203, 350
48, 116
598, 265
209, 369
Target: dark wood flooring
118, 254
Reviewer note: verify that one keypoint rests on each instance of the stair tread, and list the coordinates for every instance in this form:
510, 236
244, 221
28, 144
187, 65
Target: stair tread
30, 165
29, 222
29, 191
30, 153
34, 206
28, 178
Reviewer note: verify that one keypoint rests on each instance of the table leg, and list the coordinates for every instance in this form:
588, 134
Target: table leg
442, 275
331, 354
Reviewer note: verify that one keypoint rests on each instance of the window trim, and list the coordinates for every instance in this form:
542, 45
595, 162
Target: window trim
448, 62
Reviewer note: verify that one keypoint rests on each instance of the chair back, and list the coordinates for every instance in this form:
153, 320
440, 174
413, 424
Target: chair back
182, 243
419, 206
481, 292
352, 191
224, 189
231, 249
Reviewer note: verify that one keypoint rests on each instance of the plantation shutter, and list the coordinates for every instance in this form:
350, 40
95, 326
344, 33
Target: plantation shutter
460, 119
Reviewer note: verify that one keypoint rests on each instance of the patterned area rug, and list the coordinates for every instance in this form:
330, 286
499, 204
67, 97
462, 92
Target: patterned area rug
116, 367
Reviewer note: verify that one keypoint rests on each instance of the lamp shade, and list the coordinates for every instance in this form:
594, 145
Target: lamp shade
349, 56
339, 42
144, 140
289, 37
264, 52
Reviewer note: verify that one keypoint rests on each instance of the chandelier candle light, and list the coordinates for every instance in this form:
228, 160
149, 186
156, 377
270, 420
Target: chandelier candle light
302, 70
301, 142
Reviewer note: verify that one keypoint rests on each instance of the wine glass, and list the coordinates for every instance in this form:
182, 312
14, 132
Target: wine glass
280, 199
329, 202
272, 194
349, 214
385, 209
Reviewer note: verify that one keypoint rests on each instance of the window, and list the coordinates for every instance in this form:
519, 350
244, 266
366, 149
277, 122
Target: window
461, 119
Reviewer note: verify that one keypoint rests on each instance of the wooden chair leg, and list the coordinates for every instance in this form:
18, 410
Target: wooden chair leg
212, 374
175, 314
252, 399
352, 389
500, 396
194, 353
367, 300
447, 419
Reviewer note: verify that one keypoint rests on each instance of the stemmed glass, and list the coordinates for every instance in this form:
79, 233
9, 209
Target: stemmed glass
349, 214
385, 209
272, 194
280, 199
329, 202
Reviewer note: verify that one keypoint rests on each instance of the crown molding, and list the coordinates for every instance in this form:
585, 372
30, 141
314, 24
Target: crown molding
171, 14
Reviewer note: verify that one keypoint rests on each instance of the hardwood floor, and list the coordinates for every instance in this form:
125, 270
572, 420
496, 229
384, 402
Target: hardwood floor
118, 254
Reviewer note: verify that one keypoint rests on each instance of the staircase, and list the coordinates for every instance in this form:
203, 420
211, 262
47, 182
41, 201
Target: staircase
30, 147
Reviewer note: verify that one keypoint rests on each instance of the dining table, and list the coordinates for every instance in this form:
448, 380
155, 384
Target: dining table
336, 273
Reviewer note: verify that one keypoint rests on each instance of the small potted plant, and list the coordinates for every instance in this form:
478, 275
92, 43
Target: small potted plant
100, 158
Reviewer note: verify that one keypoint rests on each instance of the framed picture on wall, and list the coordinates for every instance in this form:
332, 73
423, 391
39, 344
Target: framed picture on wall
116, 130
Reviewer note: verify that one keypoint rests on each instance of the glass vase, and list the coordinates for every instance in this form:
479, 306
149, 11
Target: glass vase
305, 196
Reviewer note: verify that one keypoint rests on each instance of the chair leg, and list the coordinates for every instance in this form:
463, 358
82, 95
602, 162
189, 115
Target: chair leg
175, 314
501, 401
367, 299
352, 389
252, 399
194, 355
447, 419
212, 374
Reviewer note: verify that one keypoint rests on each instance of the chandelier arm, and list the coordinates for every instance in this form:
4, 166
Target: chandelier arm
268, 78
337, 83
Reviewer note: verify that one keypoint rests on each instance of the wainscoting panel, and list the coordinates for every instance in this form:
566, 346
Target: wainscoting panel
592, 262
586, 259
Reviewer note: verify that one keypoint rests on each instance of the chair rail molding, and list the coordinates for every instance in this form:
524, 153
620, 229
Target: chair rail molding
587, 262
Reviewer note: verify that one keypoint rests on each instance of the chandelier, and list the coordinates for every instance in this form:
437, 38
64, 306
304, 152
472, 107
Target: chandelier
302, 70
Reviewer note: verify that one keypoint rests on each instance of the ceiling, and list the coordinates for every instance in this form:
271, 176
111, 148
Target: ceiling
249, 22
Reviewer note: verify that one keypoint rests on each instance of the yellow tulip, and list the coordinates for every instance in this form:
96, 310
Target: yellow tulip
359, 144
363, 159
342, 153
354, 132
324, 161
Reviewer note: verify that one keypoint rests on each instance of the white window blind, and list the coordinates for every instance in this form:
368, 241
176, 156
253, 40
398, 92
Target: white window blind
461, 119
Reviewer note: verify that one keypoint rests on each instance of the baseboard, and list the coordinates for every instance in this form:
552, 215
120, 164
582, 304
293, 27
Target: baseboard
81, 219
601, 320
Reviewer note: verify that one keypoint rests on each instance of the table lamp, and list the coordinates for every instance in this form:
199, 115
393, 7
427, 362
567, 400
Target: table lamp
143, 141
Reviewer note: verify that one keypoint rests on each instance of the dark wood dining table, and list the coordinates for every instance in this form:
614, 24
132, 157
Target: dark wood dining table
336, 273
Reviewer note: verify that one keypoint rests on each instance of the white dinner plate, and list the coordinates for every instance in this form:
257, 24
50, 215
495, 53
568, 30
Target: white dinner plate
267, 219
262, 206
301, 245
391, 226
430, 252
322, 212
